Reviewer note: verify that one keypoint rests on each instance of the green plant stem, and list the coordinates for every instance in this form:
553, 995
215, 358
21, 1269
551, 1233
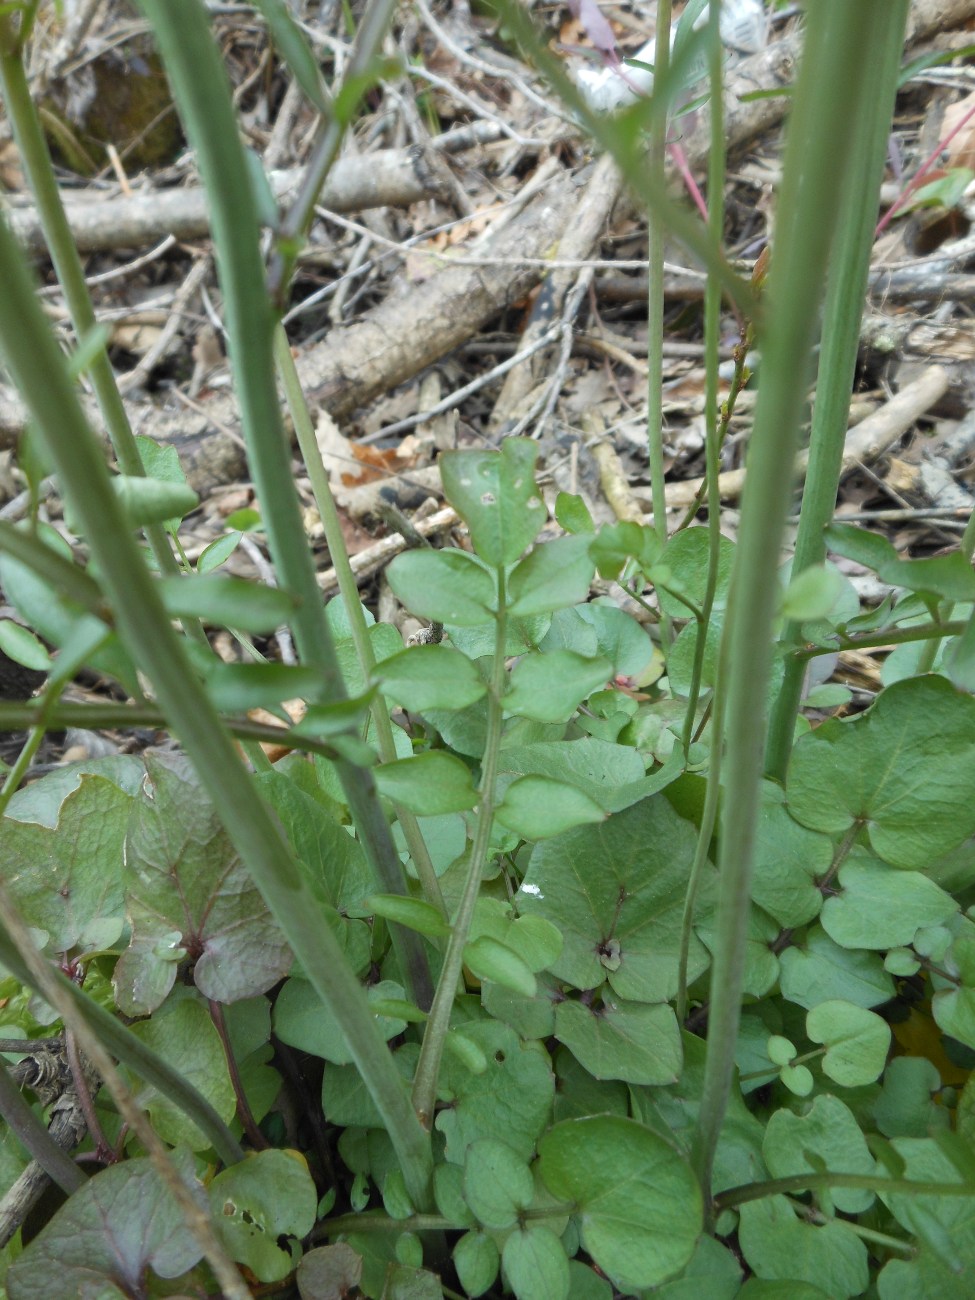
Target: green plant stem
709, 817
349, 590
712, 339
36, 160
369, 36
55, 989
376, 1221
849, 269
35, 364
431, 1051
32, 1135
656, 157
828, 94
200, 87
733, 1196
104, 715
892, 636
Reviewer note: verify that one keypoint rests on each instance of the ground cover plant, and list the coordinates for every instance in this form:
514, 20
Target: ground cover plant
592, 944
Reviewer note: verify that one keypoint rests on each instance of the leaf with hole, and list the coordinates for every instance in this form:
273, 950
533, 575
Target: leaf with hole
494, 492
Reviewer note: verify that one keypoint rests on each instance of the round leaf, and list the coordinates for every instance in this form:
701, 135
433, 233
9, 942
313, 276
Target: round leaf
497, 1183
428, 784
536, 808
535, 1264
476, 1261
447, 586
431, 677
268, 1196
857, 1041
638, 1202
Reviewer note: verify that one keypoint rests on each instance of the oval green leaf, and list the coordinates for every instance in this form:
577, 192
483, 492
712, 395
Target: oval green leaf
445, 586
428, 784
431, 677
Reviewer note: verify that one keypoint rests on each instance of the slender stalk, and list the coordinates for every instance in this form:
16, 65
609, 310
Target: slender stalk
828, 95
431, 1051
712, 339
35, 364
349, 590
202, 93
890, 636
32, 1134
36, 159
846, 288
370, 32
656, 158
823, 1182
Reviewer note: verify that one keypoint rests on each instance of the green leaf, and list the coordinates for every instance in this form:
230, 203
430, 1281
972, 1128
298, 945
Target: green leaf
812, 593
235, 688
906, 1106
948, 576
489, 959
498, 1184
428, 784
534, 1263
414, 913
573, 514
943, 1228
788, 861
777, 1244
21, 645
599, 769
638, 1203
537, 940
218, 552
622, 1040
857, 1041
818, 969
512, 1096
68, 878
827, 1135
231, 602
186, 887
616, 892
259, 1201
184, 1035
686, 558
615, 544
555, 575
301, 1021
476, 1260
536, 808
946, 191
619, 637
445, 586
494, 492
153, 500
959, 658
431, 677
332, 857
75, 1253
880, 907
550, 687
905, 768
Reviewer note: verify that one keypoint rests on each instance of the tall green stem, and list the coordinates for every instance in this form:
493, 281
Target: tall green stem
656, 156
199, 84
349, 589
828, 97
431, 1052
848, 271
712, 338
67, 264
36, 366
